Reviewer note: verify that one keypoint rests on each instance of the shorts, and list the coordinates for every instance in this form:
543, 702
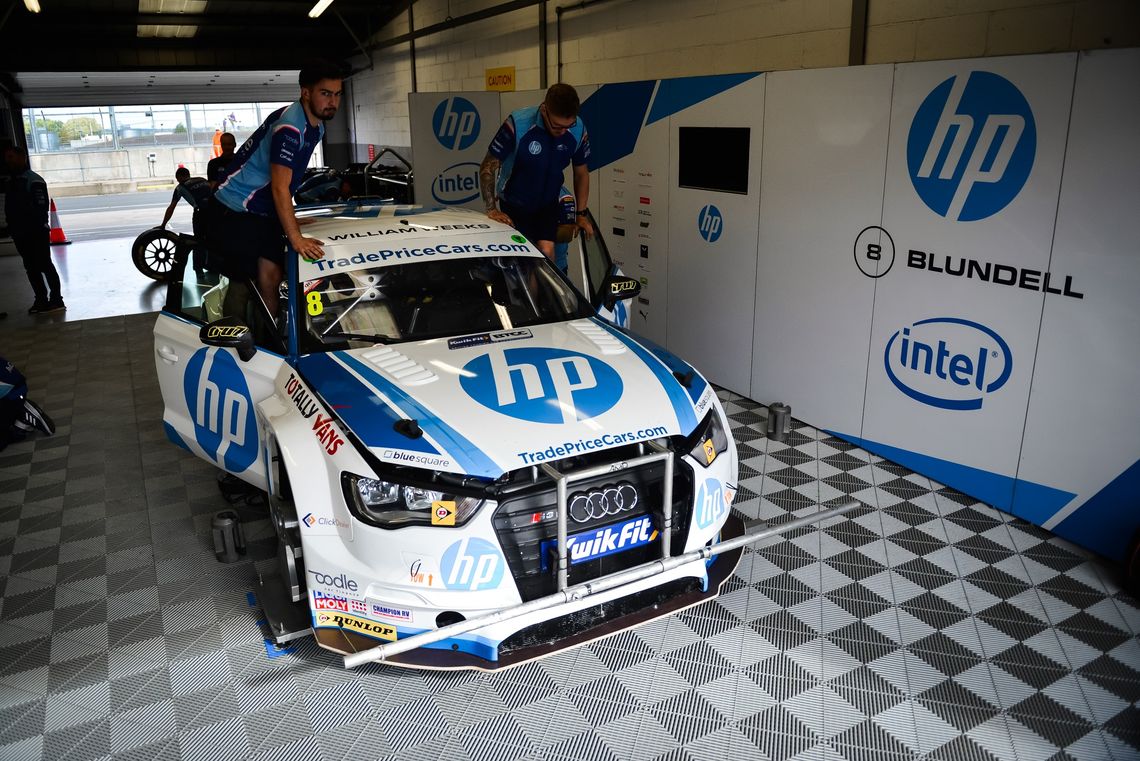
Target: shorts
237, 239
540, 224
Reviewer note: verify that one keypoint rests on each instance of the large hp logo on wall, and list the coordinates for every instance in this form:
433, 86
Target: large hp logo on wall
542, 385
971, 146
456, 123
221, 409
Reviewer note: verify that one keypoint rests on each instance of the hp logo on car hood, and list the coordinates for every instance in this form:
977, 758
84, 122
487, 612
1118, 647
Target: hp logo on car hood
971, 146
594, 504
542, 385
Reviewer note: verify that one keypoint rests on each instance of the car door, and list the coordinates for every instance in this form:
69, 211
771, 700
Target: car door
588, 265
209, 394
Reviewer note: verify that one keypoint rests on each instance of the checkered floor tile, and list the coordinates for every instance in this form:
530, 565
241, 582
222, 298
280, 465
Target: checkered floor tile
924, 625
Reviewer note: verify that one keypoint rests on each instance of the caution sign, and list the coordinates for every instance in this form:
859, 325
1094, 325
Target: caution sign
443, 513
501, 79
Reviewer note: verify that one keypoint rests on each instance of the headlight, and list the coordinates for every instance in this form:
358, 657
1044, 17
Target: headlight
711, 440
393, 505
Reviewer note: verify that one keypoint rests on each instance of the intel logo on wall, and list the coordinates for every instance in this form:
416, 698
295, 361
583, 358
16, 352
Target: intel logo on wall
971, 146
457, 184
948, 362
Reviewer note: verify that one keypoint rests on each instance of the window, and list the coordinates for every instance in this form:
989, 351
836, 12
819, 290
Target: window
714, 158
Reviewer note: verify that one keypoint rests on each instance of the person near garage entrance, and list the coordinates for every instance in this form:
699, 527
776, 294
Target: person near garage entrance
26, 205
216, 168
195, 191
253, 206
521, 175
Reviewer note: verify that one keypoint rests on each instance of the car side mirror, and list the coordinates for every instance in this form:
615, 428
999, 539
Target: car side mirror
617, 288
229, 333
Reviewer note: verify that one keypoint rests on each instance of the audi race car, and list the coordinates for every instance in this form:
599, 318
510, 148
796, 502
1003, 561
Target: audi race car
466, 466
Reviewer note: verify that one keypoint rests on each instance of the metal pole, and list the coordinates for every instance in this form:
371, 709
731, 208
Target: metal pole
542, 75
412, 42
587, 589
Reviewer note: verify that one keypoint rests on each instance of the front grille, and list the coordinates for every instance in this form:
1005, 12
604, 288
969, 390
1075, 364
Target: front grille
525, 521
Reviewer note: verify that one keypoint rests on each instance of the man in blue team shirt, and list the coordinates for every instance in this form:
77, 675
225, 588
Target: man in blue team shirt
528, 154
253, 205
195, 191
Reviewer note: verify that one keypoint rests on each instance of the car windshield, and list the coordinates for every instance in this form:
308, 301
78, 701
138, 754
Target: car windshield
433, 299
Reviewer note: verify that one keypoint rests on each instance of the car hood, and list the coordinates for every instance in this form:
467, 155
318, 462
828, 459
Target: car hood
488, 403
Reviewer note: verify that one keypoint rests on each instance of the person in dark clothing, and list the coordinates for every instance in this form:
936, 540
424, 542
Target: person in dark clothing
26, 208
216, 169
18, 414
197, 192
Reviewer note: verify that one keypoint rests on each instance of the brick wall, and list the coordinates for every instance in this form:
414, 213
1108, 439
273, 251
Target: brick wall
625, 40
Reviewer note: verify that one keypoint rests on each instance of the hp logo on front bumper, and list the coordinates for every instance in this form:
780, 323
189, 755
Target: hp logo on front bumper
599, 503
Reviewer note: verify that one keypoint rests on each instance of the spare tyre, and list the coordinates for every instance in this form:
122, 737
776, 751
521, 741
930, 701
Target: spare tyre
153, 253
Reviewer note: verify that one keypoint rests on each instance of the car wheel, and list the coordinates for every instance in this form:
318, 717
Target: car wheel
154, 253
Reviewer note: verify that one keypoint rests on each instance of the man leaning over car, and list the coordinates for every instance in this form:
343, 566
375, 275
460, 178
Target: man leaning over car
531, 149
253, 205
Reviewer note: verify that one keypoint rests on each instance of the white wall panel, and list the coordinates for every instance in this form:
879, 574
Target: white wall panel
1083, 429
450, 135
825, 157
973, 173
712, 277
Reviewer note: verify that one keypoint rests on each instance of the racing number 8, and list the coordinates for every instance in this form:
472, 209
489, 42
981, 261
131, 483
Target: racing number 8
315, 305
874, 252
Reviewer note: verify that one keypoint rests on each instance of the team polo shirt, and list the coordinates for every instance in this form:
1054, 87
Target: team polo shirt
533, 160
195, 191
285, 138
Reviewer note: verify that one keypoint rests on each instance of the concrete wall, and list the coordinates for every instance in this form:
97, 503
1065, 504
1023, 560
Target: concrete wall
624, 40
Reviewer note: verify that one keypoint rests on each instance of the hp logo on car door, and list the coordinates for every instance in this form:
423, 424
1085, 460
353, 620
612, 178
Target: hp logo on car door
218, 399
971, 146
542, 385
456, 123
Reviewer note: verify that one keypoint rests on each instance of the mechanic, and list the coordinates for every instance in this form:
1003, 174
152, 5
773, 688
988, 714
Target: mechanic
253, 205
216, 169
521, 174
18, 413
196, 191
26, 206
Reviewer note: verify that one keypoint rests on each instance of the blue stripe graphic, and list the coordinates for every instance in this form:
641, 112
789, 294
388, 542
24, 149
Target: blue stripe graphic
1038, 501
1108, 520
675, 95
686, 417
458, 447
368, 417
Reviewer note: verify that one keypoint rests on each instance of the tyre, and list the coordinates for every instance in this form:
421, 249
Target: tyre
153, 253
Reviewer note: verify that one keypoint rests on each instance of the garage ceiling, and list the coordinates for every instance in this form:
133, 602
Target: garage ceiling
131, 88
182, 35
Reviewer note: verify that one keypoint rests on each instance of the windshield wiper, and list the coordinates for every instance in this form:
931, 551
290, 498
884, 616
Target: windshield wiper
379, 339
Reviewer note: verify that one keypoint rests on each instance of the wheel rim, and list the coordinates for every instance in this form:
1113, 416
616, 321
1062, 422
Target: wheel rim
158, 255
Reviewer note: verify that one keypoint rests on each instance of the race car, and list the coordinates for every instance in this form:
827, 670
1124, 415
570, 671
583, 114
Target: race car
452, 440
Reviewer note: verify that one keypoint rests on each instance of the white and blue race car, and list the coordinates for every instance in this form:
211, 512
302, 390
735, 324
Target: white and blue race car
466, 466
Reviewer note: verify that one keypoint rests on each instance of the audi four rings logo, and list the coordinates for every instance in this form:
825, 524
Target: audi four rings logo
598, 503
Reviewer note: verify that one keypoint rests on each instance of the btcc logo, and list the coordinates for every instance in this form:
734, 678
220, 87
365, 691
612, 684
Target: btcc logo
598, 503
